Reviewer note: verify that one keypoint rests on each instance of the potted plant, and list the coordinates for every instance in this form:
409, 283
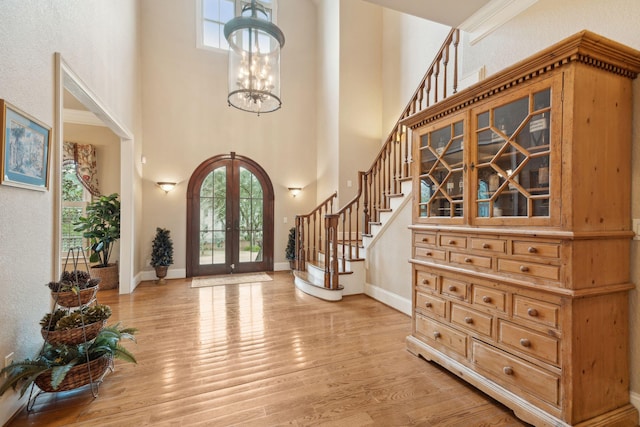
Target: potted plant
102, 227
162, 253
290, 251
64, 367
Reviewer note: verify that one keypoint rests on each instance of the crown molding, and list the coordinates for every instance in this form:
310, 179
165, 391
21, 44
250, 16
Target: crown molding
492, 16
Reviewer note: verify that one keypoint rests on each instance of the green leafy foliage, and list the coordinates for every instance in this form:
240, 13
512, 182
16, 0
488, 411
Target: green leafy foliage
102, 227
162, 249
59, 359
290, 251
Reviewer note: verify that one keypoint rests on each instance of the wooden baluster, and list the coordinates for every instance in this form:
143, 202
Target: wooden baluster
445, 61
429, 75
436, 77
456, 40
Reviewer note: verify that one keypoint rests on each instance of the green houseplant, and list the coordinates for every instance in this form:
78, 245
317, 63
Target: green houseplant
290, 251
101, 226
162, 253
50, 368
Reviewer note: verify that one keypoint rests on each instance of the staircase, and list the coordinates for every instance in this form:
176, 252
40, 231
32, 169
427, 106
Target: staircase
331, 246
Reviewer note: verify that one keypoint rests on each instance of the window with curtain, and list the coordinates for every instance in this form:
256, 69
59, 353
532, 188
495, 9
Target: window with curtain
79, 183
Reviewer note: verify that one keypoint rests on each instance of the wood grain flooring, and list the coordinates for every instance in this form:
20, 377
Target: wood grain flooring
265, 354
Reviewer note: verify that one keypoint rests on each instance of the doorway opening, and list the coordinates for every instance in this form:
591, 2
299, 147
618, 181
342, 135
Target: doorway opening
229, 217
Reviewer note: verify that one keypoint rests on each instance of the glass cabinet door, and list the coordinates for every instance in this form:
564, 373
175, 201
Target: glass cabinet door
512, 158
442, 172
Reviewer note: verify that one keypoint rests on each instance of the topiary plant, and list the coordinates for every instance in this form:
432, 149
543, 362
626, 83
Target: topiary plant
162, 248
290, 251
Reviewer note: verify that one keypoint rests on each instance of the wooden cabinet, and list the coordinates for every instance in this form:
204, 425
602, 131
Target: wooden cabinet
521, 234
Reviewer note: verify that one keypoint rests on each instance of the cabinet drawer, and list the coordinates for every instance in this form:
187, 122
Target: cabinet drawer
428, 253
430, 304
436, 332
471, 319
454, 288
452, 241
536, 311
489, 298
424, 238
547, 250
507, 369
530, 269
490, 245
528, 341
427, 280
474, 260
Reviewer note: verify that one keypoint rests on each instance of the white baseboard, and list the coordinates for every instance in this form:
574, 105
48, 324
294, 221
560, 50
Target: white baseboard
634, 398
392, 300
281, 266
172, 273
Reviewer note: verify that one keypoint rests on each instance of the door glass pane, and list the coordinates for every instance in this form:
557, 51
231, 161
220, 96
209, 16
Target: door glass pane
441, 172
213, 221
513, 158
251, 217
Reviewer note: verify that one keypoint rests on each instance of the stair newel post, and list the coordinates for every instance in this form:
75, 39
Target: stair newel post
331, 251
365, 210
300, 249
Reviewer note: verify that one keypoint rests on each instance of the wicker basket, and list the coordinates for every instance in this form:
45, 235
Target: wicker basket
72, 299
77, 376
75, 335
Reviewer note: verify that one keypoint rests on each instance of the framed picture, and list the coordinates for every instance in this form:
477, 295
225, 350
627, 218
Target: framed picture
26, 144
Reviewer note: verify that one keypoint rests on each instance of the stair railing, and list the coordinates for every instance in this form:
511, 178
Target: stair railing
310, 230
344, 229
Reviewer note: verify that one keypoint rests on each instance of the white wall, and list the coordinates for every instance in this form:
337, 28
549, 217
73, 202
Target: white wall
98, 39
186, 119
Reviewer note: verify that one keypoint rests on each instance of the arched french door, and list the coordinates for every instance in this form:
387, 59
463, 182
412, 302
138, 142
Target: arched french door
229, 217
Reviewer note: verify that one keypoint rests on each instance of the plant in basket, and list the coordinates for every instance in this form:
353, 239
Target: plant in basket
64, 327
74, 288
65, 367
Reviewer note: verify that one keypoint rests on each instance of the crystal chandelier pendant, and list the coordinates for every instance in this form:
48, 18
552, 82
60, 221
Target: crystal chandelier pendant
254, 60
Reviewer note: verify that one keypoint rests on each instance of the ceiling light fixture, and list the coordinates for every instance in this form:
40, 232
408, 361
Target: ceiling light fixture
254, 60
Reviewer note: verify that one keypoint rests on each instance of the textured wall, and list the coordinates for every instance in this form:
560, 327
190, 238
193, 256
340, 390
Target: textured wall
98, 40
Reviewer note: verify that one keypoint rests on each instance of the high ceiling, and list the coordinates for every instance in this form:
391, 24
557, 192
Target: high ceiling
447, 12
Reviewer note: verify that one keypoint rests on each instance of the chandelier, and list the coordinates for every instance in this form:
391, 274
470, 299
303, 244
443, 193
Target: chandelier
254, 60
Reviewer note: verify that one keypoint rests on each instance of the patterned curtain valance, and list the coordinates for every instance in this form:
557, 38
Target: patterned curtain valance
84, 157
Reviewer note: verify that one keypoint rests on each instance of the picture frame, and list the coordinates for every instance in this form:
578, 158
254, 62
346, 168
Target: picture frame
26, 148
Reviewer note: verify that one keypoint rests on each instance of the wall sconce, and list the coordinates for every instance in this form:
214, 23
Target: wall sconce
295, 191
166, 186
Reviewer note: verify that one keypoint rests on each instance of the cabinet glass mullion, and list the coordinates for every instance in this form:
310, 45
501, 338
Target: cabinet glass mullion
512, 152
441, 172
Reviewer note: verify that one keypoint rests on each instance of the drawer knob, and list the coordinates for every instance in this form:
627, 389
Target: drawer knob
425, 239
508, 370
486, 246
436, 334
532, 312
525, 342
524, 268
486, 299
468, 260
425, 281
452, 242
427, 304
468, 320
532, 250
428, 253
452, 288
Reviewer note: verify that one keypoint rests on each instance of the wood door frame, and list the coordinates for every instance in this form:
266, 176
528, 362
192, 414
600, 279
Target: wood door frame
193, 206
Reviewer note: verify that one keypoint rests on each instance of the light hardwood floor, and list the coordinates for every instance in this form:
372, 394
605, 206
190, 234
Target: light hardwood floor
265, 354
